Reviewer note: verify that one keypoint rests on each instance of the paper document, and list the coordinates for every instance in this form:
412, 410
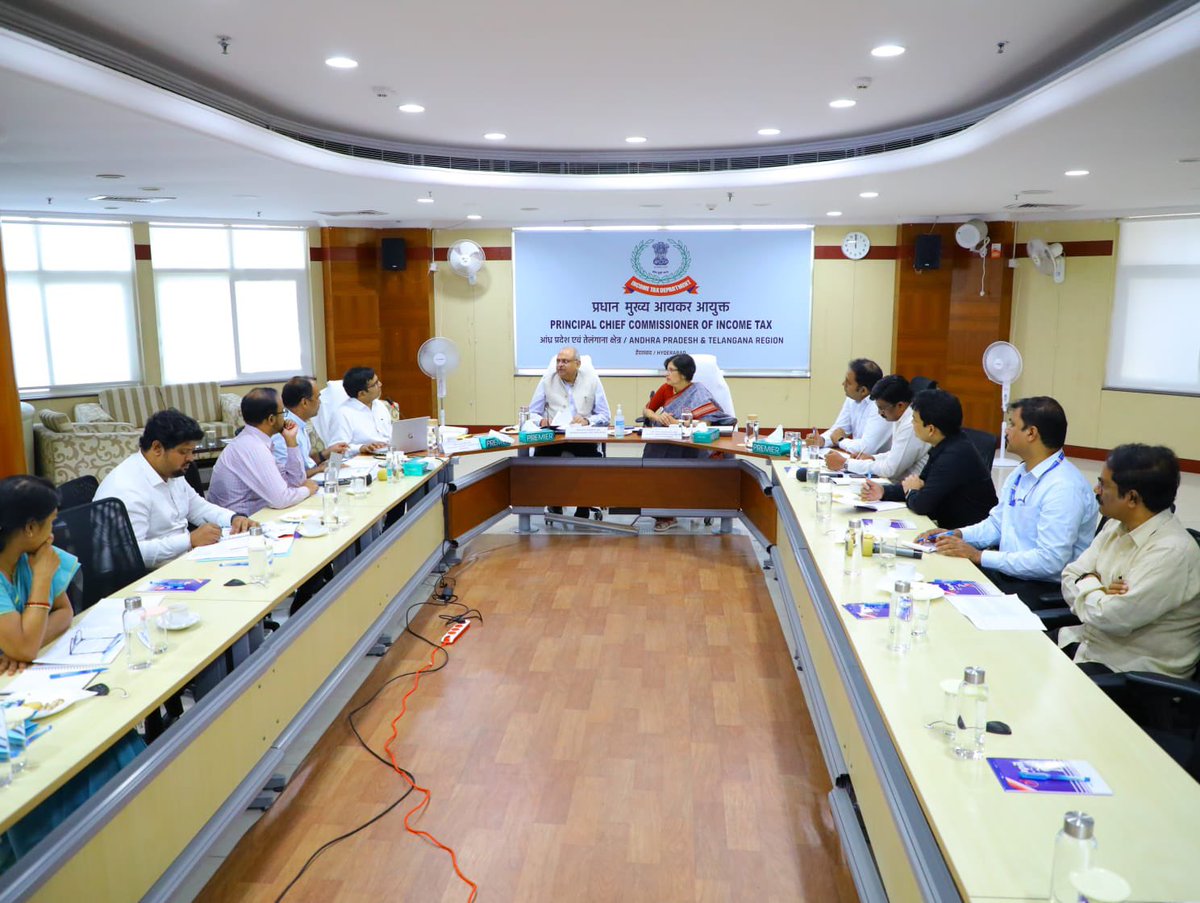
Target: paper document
561, 420
96, 640
662, 432
507, 440
997, 612
458, 446
878, 506
237, 548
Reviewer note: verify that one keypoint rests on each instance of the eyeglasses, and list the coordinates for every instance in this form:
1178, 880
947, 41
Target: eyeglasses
566, 361
375, 384
91, 645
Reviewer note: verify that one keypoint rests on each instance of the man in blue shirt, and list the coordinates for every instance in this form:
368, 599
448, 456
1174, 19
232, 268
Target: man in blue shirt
302, 404
1045, 517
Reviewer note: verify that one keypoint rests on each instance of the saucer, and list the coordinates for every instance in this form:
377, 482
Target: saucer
184, 623
920, 590
313, 531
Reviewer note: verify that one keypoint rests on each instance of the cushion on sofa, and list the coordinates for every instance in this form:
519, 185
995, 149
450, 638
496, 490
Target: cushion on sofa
200, 401
132, 404
55, 421
90, 412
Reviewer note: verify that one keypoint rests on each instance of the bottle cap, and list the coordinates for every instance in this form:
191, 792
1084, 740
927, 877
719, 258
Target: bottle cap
903, 587
1079, 825
973, 676
133, 603
854, 523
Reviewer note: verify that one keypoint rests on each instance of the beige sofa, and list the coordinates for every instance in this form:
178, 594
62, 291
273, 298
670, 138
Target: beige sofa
102, 435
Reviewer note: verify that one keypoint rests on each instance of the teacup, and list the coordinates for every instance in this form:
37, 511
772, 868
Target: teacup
177, 614
311, 525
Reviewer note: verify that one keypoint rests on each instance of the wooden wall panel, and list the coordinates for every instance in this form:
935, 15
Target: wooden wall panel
12, 442
375, 318
943, 323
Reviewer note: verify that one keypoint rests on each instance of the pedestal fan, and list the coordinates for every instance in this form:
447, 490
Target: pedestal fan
1002, 364
438, 358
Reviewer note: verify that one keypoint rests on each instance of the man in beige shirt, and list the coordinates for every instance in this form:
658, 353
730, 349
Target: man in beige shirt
1136, 588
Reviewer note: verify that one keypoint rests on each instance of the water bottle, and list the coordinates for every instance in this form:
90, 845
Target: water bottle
619, 424
853, 564
133, 624
900, 618
972, 714
256, 556
1074, 851
7, 746
329, 499
389, 466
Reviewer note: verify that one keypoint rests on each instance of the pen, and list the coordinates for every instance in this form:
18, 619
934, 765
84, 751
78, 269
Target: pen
59, 674
1029, 776
234, 564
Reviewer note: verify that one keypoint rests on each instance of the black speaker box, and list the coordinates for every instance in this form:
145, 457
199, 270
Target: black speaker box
393, 253
927, 252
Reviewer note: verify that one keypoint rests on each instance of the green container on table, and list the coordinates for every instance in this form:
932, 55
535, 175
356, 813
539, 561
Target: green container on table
413, 468
775, 449
704, 437
492, 442
536, 436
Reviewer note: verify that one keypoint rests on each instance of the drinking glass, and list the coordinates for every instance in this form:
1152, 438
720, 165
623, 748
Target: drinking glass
6, 769
15, 718
522, 416
825, 497
793, 441
256, 554
812, 475
685, 420
886, 549
921, 602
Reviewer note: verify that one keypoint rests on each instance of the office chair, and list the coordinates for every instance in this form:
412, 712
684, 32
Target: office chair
100, 536
921, 383
983, 442
79, 491
1166, 708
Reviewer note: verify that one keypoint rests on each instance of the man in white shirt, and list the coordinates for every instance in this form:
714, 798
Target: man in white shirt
858, 429
303, 404
1137, 586
907, 455
573, 392
159, 500
363, 422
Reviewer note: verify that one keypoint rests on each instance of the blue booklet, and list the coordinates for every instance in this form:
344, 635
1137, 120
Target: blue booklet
1072, 776
868, 611
181, 585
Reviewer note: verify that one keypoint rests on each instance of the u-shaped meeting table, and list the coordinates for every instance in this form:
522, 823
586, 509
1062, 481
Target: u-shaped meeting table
915, 822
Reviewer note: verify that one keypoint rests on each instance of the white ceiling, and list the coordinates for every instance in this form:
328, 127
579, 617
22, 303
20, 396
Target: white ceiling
576, 78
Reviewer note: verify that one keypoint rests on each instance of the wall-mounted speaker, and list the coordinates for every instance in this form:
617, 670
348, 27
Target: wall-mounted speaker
393, 253
927, 252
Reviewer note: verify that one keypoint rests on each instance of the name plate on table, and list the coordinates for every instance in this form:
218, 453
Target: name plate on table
532, 437
663, 432
457, 446
586, 432
777, 449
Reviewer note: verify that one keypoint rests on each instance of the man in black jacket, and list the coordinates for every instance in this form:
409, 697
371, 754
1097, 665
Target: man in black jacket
955, 486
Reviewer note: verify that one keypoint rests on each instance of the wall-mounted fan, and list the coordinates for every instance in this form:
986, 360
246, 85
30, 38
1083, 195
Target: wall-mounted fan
438, 358
1047, 258
973, 236
466, 259
1002, 364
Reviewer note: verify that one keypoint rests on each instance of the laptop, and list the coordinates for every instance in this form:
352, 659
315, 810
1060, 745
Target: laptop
411, 435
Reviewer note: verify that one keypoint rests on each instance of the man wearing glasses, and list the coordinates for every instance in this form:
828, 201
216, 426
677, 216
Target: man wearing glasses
246, 476
1045, 517
363, 423
907, 455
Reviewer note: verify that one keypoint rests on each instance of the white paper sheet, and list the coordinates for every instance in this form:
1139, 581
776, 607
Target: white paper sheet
1006, 612
236, 548
103, 620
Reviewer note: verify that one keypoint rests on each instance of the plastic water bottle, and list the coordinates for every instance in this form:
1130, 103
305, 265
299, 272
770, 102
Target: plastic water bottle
853, 541
256, 556
133, 624
900, 618
619, 424
1074, 851
329, 500
972, 714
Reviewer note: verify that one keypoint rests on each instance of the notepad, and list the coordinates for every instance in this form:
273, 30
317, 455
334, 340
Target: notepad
1070, 776
997, 612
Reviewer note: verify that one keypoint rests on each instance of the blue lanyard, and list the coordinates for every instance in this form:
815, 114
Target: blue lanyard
1012, 493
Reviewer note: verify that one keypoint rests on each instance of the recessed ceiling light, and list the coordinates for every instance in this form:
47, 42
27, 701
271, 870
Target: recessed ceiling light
843, 103
886, 50
411, 108
424, 200
474, 216
868, 194
1076, 172
109, 175
635, 139
494, 136
149, 189
650, 206
767, 133
761, 204
111, 208
834, 213
530, 209
341, 62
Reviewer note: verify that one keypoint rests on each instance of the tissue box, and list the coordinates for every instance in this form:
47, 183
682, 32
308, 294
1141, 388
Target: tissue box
536, 436
414, 468
775, 449
493, 442
705, 436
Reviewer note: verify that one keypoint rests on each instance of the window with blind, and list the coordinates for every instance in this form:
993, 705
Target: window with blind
1154, 345
233, 302
71, 310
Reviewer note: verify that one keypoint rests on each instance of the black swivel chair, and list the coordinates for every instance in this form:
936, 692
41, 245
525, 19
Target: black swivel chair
984, 443
921, 383
100, 536
78, 491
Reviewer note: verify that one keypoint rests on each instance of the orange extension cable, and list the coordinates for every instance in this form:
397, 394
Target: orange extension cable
425, 835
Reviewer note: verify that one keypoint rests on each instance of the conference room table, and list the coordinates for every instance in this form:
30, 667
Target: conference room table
915, 822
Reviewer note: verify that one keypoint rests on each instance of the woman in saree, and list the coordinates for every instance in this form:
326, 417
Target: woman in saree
677, 396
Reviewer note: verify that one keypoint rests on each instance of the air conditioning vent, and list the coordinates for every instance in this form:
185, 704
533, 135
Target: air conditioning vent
336, 213
130, 199
1034, 205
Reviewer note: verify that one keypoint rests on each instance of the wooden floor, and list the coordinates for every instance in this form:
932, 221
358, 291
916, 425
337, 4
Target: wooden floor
625, 725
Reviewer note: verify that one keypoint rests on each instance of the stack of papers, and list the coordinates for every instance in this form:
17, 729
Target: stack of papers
236, 548
997, 612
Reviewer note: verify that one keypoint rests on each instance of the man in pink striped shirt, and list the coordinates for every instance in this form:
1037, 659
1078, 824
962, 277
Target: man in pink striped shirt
247, 476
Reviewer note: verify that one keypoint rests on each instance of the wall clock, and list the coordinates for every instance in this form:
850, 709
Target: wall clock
856, 245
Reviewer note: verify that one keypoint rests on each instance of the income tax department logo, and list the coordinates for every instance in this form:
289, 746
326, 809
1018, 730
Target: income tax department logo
661, 265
